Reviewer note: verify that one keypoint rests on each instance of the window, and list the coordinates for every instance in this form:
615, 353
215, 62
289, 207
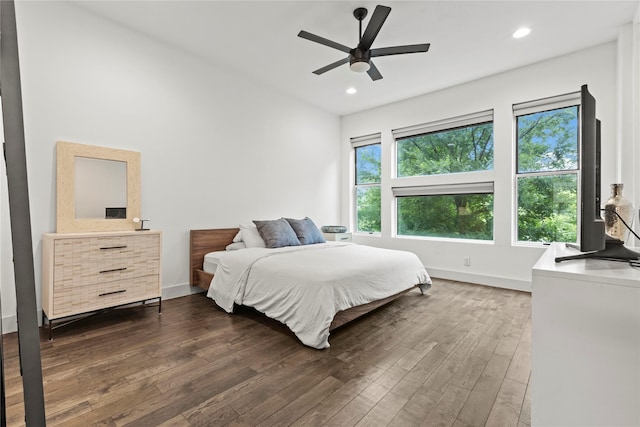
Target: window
458, 210
547, 169
367, 183
453, 211
462, 144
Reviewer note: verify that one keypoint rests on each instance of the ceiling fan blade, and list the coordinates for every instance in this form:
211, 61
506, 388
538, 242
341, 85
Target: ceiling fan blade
399, 50
331, 66
375, 23
373, 72
305, 35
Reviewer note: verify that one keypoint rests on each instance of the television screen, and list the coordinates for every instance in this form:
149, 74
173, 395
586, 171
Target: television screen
115, 213
594, 243
592, 236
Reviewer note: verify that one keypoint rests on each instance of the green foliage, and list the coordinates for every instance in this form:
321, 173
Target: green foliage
547, 204
547, 208
464, 216
464, 149
548, 140
368, 164
368, 214
368, 196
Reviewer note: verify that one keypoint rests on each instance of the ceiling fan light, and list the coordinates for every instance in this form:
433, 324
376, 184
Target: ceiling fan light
360, 66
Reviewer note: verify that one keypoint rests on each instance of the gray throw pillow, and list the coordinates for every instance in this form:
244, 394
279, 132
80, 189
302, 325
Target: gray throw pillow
306, 231
277, 233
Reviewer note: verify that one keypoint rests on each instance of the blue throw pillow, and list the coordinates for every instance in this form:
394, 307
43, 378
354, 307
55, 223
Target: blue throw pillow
277, 233
306, 231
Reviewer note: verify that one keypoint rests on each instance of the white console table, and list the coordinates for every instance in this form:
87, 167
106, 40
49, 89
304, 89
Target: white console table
585, 354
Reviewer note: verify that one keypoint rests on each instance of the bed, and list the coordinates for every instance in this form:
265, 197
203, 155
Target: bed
248, 272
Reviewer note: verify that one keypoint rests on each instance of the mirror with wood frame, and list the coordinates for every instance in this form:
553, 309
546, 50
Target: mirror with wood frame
98, 188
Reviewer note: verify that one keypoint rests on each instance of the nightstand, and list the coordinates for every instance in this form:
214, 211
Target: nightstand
337, 237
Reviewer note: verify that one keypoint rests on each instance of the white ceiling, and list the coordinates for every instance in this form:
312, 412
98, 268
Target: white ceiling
469, 40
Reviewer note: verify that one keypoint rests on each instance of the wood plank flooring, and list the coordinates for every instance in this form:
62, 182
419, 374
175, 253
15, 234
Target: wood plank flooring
457, 356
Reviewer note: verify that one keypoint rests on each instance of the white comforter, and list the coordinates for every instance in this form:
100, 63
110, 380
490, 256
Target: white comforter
305, 286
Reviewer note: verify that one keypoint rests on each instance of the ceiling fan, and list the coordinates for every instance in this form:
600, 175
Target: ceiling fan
359, 58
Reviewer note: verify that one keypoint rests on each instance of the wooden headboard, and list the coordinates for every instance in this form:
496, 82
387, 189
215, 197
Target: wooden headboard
201, 243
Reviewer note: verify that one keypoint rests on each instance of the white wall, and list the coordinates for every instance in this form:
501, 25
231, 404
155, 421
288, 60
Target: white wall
216, 148
629, 93
499, 263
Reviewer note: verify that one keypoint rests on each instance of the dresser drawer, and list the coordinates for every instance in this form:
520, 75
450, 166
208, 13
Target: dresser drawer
69, 298
102, 259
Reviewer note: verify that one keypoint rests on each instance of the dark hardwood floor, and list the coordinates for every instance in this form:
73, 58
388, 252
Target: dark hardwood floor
458, 356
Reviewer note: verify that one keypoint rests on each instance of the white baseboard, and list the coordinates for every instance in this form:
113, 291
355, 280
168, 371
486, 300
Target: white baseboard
177, 291
10, 323
481, 279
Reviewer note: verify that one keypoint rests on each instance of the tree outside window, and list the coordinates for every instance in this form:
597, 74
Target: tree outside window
465, 149
368, 188
460, 216
547, 175
460, 213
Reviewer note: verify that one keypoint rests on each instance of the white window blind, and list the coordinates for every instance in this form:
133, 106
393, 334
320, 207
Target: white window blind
449, 123
361, 141
444, 189
546, 104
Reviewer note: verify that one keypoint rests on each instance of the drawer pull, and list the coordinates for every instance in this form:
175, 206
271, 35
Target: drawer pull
115, 269
111, 293
113, 247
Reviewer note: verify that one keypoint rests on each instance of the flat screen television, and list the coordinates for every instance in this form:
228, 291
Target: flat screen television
115, 213
594, 242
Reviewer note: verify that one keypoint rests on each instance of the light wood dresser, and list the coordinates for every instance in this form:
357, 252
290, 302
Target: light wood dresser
88, 272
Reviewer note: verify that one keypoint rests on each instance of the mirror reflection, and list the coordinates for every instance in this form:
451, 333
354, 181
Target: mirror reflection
100, 188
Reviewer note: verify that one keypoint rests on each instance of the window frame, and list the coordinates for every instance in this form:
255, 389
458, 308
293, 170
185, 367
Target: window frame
455, 183
469, 189
541, 105
359, 142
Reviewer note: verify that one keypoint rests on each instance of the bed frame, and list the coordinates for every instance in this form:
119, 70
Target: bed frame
204, 241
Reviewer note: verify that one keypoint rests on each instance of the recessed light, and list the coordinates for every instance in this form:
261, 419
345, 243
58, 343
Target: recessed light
351, 90
521, 32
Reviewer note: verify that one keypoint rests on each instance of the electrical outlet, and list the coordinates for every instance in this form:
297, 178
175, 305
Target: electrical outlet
467, 261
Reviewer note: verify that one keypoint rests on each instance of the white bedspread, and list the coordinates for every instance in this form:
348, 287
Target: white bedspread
305, 286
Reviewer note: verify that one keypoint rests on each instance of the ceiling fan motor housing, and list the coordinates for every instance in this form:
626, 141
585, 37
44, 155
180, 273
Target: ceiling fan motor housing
358, 59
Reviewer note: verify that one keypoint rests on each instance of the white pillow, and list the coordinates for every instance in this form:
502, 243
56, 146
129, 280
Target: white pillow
251, 237
238, 237
235, 246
